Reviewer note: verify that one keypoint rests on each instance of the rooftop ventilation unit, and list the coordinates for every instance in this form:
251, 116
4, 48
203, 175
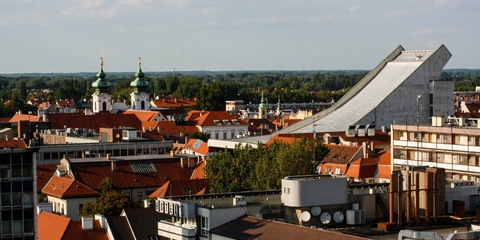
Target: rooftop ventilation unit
350, 132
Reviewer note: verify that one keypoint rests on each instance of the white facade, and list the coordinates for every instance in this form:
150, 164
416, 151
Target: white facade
225, 131
455, 148
102, 102
68, 207
140, 101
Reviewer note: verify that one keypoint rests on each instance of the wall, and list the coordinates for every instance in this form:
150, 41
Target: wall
298, 192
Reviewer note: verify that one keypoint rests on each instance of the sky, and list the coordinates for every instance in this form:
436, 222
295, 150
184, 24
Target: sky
60, 36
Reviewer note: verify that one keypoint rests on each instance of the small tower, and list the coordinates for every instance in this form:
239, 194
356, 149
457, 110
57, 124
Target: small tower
279, 107
262, 109
102, 101
140, 100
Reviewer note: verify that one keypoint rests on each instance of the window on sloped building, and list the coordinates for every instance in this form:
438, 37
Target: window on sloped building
204, 226
338, 171
329, 170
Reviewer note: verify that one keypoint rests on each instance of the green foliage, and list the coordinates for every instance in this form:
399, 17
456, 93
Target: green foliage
247, 168
200, 135
111, 201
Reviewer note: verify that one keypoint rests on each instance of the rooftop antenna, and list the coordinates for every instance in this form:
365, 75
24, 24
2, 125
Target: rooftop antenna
418, 132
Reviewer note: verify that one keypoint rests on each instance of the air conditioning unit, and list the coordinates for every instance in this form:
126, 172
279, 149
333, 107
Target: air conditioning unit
356, 217
239, 201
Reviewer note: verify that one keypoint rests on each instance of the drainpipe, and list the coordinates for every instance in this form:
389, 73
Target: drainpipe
409, 205
390, 199
400, 212
427, 197
435, 196
417, 197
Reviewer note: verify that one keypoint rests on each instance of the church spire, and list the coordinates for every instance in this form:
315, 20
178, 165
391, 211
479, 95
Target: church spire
101, 84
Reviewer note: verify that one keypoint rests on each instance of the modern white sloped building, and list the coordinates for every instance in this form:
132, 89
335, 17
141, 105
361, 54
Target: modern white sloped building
405, 83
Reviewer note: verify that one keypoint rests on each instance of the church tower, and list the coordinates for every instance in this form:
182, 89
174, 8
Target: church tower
262, 109
102, 101
139, 99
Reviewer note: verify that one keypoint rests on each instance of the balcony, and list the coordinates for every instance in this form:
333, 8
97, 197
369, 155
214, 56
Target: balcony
176, 231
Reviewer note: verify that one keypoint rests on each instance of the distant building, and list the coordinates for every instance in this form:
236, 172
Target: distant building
234, 106
140, 100
102, 101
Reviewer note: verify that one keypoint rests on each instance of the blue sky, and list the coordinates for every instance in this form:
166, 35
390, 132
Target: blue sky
71, 35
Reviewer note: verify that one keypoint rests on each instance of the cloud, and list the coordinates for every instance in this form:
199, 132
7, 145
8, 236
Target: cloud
442, 31
321, 18
425, 31
209, 11
276, 19
354, 8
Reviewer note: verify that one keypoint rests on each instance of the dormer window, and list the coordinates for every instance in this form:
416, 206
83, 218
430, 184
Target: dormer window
235, 121
226, 122
217, 122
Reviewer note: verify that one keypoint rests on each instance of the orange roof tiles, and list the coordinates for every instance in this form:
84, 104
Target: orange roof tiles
53, 227
170, 102
202, 147
15, 143
144, 116
66, 187
199, 172
25, 117
44, 173
181, 188
204, 118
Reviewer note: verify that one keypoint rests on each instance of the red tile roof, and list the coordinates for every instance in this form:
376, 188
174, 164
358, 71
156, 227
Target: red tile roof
14, 143
204, 118
340, 154
25, 117
91, 174
144, 116
181, 188
199, 172
201, 148
96, 121
66, 187
249, 227
170, 102
44, 173
53, 227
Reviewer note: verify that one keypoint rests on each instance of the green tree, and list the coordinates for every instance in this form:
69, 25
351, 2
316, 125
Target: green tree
111, 201
200, 135
262, 168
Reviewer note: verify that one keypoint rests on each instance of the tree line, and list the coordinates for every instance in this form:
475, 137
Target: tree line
246, 168
211, 89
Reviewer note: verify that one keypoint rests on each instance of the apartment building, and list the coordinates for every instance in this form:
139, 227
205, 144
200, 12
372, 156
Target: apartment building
454, 146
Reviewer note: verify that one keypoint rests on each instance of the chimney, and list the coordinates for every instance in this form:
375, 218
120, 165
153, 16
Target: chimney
172, 153
365, 150
372, 146
108, 156
87, 223
114, 166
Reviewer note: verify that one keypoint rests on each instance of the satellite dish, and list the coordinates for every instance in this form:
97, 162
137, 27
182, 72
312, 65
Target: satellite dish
316, 210
325, 218
338, 217
305, 216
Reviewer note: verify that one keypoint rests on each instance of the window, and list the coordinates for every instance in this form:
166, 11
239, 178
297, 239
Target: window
338, 171
127, 194
140, 196
319, 169
226, 122
217, 122
80, 207
204, 226
329, 170
235, 121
